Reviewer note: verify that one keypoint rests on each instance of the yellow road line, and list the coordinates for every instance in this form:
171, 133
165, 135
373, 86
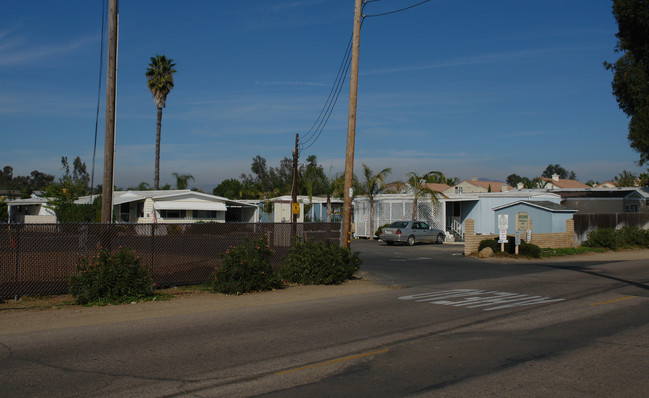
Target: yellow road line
615, 300
332, 361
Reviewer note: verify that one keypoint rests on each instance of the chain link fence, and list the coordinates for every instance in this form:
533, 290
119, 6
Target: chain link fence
39, 259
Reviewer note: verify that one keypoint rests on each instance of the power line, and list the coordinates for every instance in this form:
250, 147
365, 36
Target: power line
309, 135
312, 135
308, 143
396, 11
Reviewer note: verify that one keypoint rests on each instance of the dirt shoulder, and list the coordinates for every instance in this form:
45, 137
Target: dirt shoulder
47, 313
53, 312
609, 256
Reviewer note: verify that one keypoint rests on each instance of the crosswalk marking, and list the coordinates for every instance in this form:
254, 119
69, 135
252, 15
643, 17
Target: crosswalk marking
475, 298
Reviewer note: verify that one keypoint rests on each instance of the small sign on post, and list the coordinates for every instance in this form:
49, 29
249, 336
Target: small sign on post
503, 224
296, 208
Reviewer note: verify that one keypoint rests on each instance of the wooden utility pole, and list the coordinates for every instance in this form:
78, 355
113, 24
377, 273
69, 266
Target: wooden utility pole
294, 190
109, 134
345, 238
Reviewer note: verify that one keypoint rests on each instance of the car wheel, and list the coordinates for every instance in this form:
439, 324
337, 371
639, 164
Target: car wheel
440, 239
411, 240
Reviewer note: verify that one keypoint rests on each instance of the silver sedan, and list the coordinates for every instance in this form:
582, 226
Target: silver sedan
411, 232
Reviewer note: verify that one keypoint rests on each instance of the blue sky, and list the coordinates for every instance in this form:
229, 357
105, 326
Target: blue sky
472, 89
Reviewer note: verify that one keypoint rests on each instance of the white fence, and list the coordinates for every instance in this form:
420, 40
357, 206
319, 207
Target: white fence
393, 209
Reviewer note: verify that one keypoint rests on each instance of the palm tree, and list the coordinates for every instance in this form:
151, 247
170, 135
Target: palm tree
182, 180
419, 187
373, 185
160, 81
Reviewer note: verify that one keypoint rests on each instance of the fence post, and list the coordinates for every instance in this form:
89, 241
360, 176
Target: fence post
17, 247
152, 246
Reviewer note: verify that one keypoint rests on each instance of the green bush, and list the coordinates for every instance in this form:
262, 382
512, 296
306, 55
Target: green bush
379, 229
617, 238
492, 243
603, 237
529, 250
110, 278
524, 249
246, 268
312, 262
632, 237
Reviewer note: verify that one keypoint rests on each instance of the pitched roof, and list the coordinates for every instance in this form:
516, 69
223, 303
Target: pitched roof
542, 204
438, 187
496, 186
565, 183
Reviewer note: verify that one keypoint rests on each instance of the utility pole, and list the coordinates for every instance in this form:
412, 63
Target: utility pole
109, 134
345, 238
294, 190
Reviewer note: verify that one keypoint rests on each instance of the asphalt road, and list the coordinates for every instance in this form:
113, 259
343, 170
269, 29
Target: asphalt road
455, 327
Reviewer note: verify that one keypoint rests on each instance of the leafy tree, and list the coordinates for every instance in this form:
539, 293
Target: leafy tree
372, 185
631, 71
626, 179
560, 171
629, 179
182, 180
25, 184
69, 188
230, 188
514, 179
160, 81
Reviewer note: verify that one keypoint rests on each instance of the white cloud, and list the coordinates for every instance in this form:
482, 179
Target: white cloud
13, 54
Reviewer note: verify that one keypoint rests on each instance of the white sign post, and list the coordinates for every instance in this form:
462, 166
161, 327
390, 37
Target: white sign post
503, 224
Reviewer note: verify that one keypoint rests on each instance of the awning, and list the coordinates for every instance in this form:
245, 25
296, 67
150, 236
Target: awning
168, 205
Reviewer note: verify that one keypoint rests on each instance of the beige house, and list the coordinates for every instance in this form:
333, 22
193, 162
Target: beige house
475, 186
556, 183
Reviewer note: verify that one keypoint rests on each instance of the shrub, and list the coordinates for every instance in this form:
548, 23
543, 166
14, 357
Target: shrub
312, 262
632, 236
524, 249
246, 268
492, 243
603, 237
110, 278
615, 239
379, 229
529, 250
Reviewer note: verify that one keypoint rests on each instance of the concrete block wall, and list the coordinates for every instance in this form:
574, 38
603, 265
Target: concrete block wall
557, 240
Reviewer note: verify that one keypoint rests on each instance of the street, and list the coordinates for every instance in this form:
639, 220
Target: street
448, 325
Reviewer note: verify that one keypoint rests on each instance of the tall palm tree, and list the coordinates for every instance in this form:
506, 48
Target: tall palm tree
160, 81
182, 180
373, 185
419, 188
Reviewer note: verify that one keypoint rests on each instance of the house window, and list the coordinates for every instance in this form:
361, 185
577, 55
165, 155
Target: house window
631, 208
458, 189
140, 209
124, 210
172, 213
204, 214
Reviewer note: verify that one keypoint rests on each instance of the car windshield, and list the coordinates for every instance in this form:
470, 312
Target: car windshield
399, 224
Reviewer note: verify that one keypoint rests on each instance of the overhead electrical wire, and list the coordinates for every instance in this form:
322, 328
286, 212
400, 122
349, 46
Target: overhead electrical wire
101, 69
312, 135
396, 11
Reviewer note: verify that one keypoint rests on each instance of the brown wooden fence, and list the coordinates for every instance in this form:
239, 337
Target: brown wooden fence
40, 258
585, 223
